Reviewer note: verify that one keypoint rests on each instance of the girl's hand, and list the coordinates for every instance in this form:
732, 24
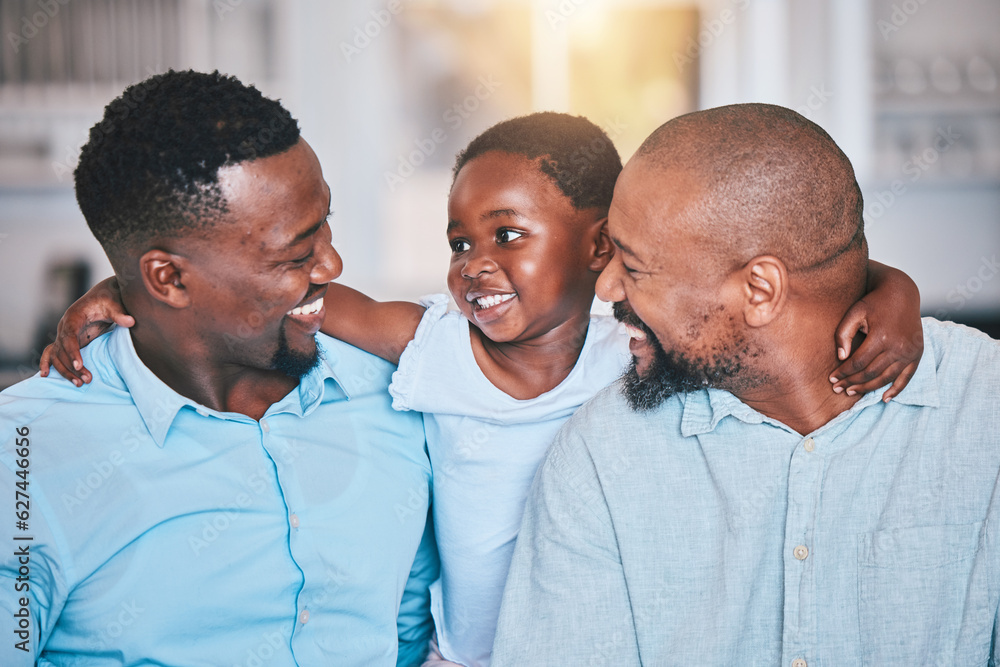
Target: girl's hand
91, 315
890, 316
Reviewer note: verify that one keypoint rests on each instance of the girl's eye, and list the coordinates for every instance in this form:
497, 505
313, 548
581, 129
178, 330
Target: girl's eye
458, 245
507, 235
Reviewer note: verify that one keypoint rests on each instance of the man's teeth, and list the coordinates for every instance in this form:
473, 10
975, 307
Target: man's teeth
492, 300
635, 332
308, 309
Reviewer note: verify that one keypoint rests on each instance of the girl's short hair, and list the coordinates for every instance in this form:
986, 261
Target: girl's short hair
577, 154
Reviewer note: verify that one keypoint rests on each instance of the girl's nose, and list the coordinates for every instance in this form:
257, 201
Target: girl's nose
478, 264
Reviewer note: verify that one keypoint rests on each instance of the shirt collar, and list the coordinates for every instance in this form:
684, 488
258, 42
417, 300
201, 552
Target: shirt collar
158, 404
314, 385
922, 389
704, 409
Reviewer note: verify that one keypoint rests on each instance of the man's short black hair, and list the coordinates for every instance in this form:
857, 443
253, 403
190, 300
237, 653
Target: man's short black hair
150, 167
574, 152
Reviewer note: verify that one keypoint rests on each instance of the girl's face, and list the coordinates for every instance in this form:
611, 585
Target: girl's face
522, 256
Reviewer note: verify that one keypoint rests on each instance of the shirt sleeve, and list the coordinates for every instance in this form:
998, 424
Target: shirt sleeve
402, 388
566, 600
414, 624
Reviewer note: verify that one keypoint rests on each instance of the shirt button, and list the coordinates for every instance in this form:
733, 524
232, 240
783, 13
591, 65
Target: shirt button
799, 662
264, 426
294, 520
304, 617
800, 552
809, 445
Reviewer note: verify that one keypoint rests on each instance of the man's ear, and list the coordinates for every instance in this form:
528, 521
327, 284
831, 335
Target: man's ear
162, 275
765, 289
602, 248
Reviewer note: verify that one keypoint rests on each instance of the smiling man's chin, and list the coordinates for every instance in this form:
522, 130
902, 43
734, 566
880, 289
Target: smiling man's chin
660, 378
655, 374
670, 373
291, 362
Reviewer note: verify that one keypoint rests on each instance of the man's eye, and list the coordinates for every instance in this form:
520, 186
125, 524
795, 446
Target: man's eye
301, 260
507, 235
459, 245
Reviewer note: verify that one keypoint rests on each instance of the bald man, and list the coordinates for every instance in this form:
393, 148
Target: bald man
719, 505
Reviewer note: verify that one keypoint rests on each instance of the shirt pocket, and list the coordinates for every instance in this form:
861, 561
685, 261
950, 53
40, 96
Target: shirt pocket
923, 596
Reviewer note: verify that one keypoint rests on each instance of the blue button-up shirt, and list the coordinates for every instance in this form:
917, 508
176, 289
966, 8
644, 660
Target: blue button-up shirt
704, 533
156, 530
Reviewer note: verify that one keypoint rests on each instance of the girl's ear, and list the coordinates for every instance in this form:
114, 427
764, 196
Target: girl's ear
603, 248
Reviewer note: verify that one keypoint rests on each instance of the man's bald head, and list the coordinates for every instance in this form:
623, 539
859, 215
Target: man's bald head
771, 183
740, 246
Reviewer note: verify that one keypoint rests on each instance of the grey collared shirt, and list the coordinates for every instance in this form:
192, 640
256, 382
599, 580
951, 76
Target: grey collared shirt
704, 533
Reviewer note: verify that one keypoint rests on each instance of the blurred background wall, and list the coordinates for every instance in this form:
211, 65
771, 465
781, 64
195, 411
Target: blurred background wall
387, 91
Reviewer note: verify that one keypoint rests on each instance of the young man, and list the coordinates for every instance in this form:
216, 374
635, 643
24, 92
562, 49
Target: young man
230, 488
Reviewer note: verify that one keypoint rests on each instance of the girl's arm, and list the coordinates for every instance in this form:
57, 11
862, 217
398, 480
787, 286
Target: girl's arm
890, 316
87, 318
383, 329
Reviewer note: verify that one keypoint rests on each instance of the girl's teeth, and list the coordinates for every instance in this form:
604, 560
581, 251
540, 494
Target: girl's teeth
493, 300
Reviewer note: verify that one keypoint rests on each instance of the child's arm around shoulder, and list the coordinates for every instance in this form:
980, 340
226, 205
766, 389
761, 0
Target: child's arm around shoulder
889, 313
88, 317
382, 328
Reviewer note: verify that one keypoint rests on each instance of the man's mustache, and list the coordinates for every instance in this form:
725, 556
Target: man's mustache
624, 314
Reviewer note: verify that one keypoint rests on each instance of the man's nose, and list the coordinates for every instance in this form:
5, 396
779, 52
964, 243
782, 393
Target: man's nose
328, 266
609, 284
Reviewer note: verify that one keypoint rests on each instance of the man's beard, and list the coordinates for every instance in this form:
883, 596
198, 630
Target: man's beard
670, 373
291, 363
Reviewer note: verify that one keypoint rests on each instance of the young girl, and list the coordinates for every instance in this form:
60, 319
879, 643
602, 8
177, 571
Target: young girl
497, 378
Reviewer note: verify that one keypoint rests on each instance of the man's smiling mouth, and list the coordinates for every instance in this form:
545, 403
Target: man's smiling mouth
308, 309
635, 332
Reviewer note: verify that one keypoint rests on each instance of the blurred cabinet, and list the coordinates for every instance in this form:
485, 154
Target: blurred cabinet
936, 86
62, 61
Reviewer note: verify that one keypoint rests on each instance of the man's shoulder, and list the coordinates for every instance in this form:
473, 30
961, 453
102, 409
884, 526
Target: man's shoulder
950, 338
960, 355
610, 409
607, 424
356, 370
365, 379
69, 426
35, 395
